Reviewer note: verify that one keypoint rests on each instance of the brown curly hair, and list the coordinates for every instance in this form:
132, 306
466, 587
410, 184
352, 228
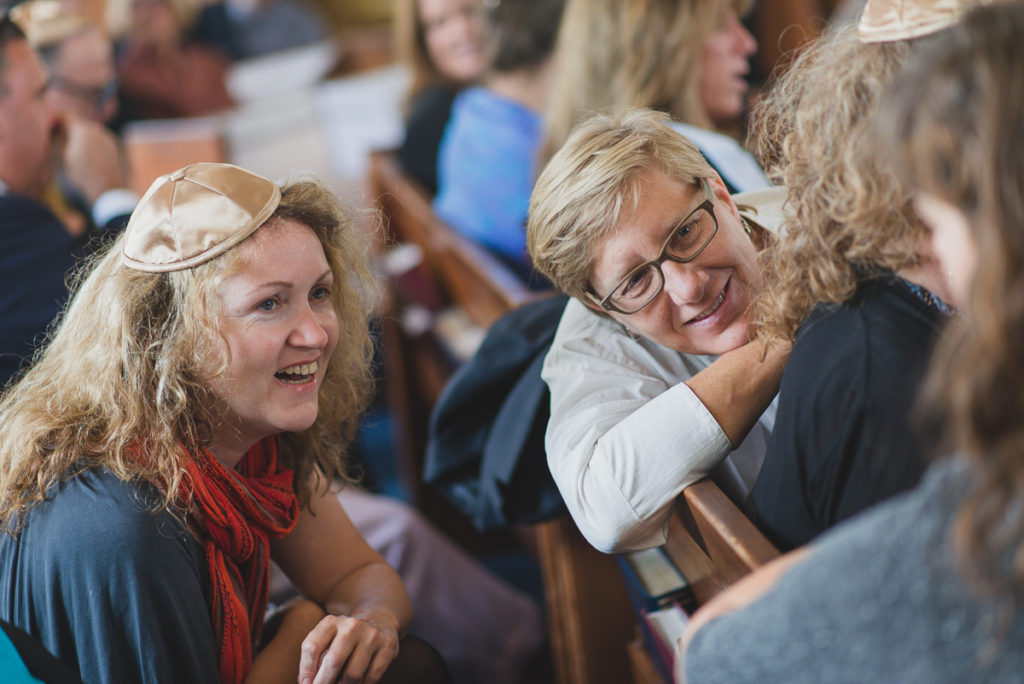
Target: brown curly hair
848, 212
128, 370
952, 125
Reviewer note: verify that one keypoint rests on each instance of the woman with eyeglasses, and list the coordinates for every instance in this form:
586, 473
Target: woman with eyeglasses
927, 587
653, 382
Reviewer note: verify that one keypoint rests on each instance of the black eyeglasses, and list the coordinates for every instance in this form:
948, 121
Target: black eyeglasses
687, 240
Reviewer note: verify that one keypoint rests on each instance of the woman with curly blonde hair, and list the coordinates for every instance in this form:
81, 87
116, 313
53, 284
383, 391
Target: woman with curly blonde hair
852, 281
182, 428
927, 587
688, 58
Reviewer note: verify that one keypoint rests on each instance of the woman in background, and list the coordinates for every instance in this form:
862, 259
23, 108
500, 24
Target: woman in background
928, 587
441, 41
162, 75
487, 162
688, 58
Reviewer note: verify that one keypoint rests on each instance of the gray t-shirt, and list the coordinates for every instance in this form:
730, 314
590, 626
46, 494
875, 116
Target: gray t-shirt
880, 600
113, 590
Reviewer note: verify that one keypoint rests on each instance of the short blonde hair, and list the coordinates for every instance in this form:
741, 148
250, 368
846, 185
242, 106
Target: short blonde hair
581, 193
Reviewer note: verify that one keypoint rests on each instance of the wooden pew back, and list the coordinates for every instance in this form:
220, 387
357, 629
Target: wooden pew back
589, 616
712, 542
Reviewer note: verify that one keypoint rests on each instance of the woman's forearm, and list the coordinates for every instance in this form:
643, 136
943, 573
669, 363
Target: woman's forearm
372, 592
739, 385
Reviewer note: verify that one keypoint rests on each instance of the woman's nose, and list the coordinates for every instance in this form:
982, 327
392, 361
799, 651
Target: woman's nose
684, 283
310, 331
745, 40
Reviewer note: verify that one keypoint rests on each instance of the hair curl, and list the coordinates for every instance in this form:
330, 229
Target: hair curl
951, 125
124, 381
849, 213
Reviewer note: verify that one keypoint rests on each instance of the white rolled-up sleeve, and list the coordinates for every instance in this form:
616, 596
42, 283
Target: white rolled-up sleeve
625, 435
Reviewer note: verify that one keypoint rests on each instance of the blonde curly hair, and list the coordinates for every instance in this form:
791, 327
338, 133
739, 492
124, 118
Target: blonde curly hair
848, 212
128, 370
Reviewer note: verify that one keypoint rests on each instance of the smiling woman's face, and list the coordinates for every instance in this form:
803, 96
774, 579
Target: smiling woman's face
280, 326
453, 32
703, 307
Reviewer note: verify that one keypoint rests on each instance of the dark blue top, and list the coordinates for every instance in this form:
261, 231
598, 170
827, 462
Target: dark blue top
843, 438
112, 589
486, 171
36, 255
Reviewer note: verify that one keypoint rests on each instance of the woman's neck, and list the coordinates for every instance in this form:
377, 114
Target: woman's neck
928, 275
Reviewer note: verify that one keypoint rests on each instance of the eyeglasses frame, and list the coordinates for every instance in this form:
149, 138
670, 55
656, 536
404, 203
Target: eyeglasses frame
709, 205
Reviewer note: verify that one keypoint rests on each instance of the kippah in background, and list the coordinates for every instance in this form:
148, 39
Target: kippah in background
884, 21
196, 213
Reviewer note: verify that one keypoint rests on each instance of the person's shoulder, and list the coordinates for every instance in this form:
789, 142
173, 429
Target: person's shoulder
96, 510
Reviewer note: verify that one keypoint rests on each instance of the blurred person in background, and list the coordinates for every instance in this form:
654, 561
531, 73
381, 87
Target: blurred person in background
162, 75
441, 42
487, 162
252, 28
37, 251
689, 58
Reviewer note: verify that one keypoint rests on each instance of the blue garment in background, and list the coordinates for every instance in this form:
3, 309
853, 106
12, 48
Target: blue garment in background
486, 171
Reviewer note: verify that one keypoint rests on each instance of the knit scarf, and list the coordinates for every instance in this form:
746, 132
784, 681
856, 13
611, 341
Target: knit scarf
239, 510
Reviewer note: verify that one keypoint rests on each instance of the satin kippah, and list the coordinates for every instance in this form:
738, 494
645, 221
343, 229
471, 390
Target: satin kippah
884, 21
196, 213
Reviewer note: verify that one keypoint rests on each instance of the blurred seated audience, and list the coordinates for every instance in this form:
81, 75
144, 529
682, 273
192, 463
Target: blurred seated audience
688, 58
162, 75
852, 281
83, 88
926, 587
487, 162
441, 42
37, 252
253, 28
654, 383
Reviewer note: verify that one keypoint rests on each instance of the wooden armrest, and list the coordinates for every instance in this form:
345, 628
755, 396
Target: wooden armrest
712, 542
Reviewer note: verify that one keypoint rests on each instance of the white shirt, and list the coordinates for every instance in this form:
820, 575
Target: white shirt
626, 435
733, 162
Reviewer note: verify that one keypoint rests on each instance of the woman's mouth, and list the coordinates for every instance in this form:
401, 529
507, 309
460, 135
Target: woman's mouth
298, 374
708, 312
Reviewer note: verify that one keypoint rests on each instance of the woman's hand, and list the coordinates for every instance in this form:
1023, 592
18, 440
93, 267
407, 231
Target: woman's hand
356, 648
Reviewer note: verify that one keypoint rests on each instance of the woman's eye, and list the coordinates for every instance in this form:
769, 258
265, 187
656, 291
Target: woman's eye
636, 284
267, 305
321, 293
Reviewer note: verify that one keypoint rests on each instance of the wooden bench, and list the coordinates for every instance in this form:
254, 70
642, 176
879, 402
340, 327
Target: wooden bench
589, 615
712, 542
714, 545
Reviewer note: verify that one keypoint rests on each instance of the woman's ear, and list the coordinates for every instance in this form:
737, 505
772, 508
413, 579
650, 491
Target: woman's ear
721, 193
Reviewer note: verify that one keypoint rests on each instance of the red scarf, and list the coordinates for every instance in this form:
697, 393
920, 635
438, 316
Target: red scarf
239, 511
